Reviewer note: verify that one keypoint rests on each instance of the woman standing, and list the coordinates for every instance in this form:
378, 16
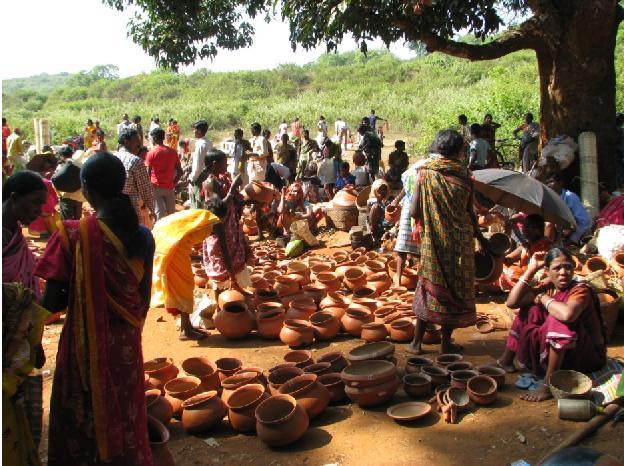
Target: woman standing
101, 268
444, 227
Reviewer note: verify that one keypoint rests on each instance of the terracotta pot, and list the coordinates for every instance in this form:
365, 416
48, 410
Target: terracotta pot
236, 381
433, 335
315, 291
334, 300
260, 191
280, 376
374, 266
228, 367
439, 375
353, 320
325, 325
365, 292
497, 373
266, 296
374, 395
368, 373
158, 438
482, 389
250, 227
270, 306
445, 359
382, 312
459, 366
158, 406
330, 280
459, 379
230, 296
381, 350
301, 358
286, 286
301, 280
334, 385
409, 278
242, 405
270, 323
373, 332
203, 412
296, 333
593, 264
299, 267
402, 330
205, 370
417, 384
354, 278
343, 268
258, 282
337, 312
499, 243
416, 363
308, 392
160, 371
318, 368
488, 267
366, 304
380, 282
235, 320
180, 389
346, 197
336, 359
301, 308
392, 213
280, 420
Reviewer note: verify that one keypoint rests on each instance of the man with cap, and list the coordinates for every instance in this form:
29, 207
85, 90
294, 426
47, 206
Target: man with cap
198, 162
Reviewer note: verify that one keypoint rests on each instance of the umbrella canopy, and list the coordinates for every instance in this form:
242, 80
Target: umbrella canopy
524, 194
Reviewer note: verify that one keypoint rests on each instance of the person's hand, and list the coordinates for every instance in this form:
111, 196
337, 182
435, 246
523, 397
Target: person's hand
538, 299
536, 262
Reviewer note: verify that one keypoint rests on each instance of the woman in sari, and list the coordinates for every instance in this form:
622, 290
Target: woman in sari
294, 206
45, 225
100, 267
173, 134
445, 225
559, 325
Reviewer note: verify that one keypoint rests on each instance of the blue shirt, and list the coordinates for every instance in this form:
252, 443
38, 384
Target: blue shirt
583, 221
341, 182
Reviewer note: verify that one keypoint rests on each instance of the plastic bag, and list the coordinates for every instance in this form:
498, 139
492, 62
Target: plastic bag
294, 248
562, 149
610, 240
301, 230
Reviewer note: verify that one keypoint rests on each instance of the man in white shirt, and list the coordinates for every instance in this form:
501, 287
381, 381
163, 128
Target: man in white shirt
322, 129
155, 123
257, 163
341, 131
283, 129
125, 124
198, 162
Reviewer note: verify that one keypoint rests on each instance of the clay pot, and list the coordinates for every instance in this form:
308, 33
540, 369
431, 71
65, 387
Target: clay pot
242, 405
438, 375
417, 385
258, 282
228, 367
318, 368
457, 396
325, 325
286, 286
409, 278
374, 266
260, 191
373, 332
308, 392
416, 363
445, 359
336, 359
238, 380
368, 373
459, 366
160, 371
205, 370
301, 358
380, 282
488, 267
200, 280
337, 312
402, 330
334, 300
235, 320
266, 296
433, 335
496, 373
298, 267
354, 278
158, 438
180, 389
203, 412
280, 376
270, 323
346, 197
374, 395
334, 385
353, 320
499, 243
459, 379
366, 291
158, 406
230, 296
301, 280
280, 420
367, 304
343, 268
147, 385
296, 333
381, 350
301, 308
593, 264
392, 213
329, 280
482, 389
315, 291
250, 227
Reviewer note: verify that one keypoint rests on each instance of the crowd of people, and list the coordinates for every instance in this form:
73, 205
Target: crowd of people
106, 268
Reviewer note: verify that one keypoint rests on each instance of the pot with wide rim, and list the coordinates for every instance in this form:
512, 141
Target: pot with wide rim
368, 373
301, 358
402, 330
354, 278
381, 282
330, 280
353, 320
365, 292
482, 389
497, 373
414, 364
444, 360
315, 291
286, 286
308, 392
205, 370
374, 395
160, 371
459, 366
299, 267
235, 320
369, 304
180, 389
238, 380
301, 308
280, 376
158, 406
417, 384
280, 420
374, 266
382, 350
228, 367
344, 267
325, 325
373, 332
459, 379
301, 280
202, 412
266, 295
242, 405
230, 296
336, 359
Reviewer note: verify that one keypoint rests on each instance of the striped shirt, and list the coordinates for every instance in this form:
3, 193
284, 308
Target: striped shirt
138, 185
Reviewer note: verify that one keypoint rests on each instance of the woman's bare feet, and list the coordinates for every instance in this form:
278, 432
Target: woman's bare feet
188, 332
506, 361
509, 368
413, 348
449, 347
539, 394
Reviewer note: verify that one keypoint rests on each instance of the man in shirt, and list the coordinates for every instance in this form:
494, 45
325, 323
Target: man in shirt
138, 185
238, 153
478, 149
373, 119
341, 131
125, 124
257, 163
198, 162
163, 166
464, 129
583, 220
528, 141
344, 177
371, 146
15, 150
136, 124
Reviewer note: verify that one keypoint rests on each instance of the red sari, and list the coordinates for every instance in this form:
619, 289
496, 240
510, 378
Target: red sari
97, 409
18, 262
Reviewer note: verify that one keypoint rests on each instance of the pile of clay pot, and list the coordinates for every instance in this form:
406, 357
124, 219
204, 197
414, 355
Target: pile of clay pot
317, 297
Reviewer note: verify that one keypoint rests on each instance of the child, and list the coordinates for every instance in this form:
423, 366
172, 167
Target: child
360, 171
344, 177
327, 174
478, 150
398, 162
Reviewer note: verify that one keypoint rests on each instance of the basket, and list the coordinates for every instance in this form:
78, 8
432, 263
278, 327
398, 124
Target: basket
569, 384
362, 197
342, 218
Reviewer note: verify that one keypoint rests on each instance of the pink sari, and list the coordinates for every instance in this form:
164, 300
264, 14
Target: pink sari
18, 263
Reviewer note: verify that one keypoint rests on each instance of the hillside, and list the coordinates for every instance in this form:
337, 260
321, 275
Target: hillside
417, 96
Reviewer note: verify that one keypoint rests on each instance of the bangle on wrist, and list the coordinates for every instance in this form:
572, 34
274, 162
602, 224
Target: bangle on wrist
548, 303
525, 281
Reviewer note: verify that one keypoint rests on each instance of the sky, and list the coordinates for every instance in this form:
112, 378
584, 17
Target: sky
74, 35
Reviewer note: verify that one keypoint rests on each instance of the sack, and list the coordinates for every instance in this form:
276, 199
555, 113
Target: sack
67, 178
294, 248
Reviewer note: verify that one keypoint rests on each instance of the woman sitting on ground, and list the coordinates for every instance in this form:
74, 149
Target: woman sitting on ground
377, 203
559, 325
293, 206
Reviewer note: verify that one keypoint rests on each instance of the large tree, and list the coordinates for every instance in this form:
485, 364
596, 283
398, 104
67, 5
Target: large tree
574, 42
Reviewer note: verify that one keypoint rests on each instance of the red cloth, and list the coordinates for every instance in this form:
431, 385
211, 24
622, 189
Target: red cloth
49, 208
111, 340
6, 132
18, 262
612, 213
162, 161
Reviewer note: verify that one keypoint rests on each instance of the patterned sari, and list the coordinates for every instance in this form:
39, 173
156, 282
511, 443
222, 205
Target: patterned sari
445, 292
18, 262
97, 409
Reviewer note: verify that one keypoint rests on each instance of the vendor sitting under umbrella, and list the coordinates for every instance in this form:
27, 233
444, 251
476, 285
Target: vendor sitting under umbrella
294, 206
559, 325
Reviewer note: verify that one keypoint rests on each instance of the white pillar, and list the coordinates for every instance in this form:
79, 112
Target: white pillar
589, 172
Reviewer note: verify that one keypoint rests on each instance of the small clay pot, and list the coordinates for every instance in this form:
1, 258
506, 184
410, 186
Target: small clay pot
392, 213
301, 358
374, 395
159, 372
266, 296
280, 376
402, 330
337, 312
369, 304
202, 412
230, 296
459, 379
482, 389
296, 333
409, 278
438, 375
373, 331
298, 267
416, 363
336, 359
228, 367
459, 366
242, 405
330, 280
308, 392
158, 406
380, 282
301, 309
593, 264
334, 300
236, 381
158, 438
365, 292
286, 286
353, 320
315, 291
497, 373
417, 384
280, 420
354, 278
270, 323
445, 359
433, 335
180, 389
318, 368
319, 268
334, 384
235, 320
205, 370
325, 325
457, 396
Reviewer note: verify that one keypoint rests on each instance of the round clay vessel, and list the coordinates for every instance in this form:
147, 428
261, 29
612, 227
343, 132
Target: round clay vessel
445, 359
301, 358
379, 350
280, 420
280, 376
368, 304
158, 406
336, 359
301, 308
330, 280
202, 412
593, 264
417, 384
235, 320
270, 323
158, 435
497, 373
438, 375
179, 389
416, 363
402, 330
482, 390
334, 300
459, 366
315, 291
286, 286
433, 335
296, 333
308, 392
242, 405
353, 320
236, 381
205, 370
260, 191
228, 367
381, 282
354, 278
266, 296
230, 296
457, 396
459, 379
365, 291
258, 282
368, 373
488, 267
298, 267
159, 372
374, 395
324, 325
335, 385
409, 278
373, 332
318, 368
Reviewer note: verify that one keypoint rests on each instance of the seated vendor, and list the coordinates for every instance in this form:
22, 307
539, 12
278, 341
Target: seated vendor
293, 206
559, 325
344, 177
376, 207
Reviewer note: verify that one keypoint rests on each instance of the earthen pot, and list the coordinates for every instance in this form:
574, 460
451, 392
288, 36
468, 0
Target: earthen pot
368, 373
392, 213
353, 320
270, 306
369, 304
238, 380
158, 438
416, 363
235, 320
266, 296
374, 266
482, 389
457, 396
301, 358
301, 308
242, 405
280, 376
228, 367
459, 366
318, 268
365, 292
286, 286
373, 331
308, 392
488, 267
593, 264
318, 368
417, 384
260, 191
336, 359
439, 375
445, 359
160, 371
354, 278
433, 335
296, 333
373, 395
258, 282
315, 291
334, 300
250, 227
380, 282
340, 256
298, 267
409, 278
497, 373
301, 280
381, 350
280, 420
329, 280
344, 267
205, 370
346, 197
270, 323
334, 384
337, 312
459, 379
180, 389
203, 412
402, 330
382, 312
230, 296
325, 325
158, 406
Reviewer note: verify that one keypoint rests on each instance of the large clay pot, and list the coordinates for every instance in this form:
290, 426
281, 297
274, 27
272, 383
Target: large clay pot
353, 320
203, 412
373, 332
230, 296
270, 323
368, 373
301, 358
280, 420
279, 376
235, 320
160, 371
236, 381
308, 392
409, 278
325, 325
499, 243
380, 282
180, 389
334, 385
228, 367
296, 333
158, 438
402, 330
330, 280
205, 370
334, 300
266, 296
286, 286
315, 291
355, 278
301, 308
336, 359
374, 395
242, 405
158, 406
260, 191
488, 267
346, 197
